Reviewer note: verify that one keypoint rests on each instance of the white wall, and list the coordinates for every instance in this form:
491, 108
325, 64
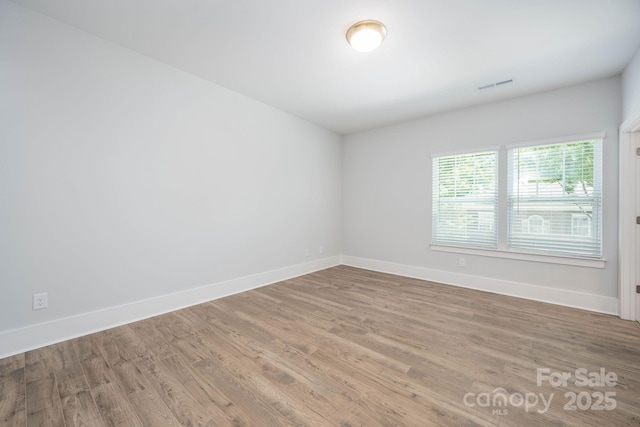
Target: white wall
123, 179
387, 192
631, 89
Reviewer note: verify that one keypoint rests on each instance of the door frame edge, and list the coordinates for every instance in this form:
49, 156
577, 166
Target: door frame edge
629, 134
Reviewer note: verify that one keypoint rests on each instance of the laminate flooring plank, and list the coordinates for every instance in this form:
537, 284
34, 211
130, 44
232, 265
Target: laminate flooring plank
206, 393
170, 388
11, 363
354, 400
146, 402
153, 339
241, 375
418, 343
12, 391
237, 389
78, 406
404, 400
227, 320
290, 394
44, 407
112, 402
171, 327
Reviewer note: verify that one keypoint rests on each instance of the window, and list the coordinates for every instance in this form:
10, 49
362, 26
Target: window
465, 200
550, 200
556, 191
535, 224
580, 225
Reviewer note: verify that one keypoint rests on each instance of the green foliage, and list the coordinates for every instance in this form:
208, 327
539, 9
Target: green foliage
468, 175
568, 165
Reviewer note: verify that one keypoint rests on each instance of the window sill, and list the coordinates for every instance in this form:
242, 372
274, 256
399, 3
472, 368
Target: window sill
548, 259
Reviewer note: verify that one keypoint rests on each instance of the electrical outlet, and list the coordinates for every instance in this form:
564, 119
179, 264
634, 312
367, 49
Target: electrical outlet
462, 262
321, 249
40, 301
306, 252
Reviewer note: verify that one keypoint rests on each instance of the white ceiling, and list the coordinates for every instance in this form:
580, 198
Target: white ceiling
292, 54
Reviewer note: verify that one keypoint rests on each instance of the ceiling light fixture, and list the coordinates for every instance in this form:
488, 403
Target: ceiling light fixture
365, 36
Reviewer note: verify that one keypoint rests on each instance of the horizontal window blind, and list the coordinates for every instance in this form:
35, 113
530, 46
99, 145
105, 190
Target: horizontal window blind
554, 199
465, 200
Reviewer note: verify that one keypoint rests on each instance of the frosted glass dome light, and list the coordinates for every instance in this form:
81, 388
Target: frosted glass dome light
365, 36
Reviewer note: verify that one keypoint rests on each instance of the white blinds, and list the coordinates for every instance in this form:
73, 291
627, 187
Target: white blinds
465, 200
554, 198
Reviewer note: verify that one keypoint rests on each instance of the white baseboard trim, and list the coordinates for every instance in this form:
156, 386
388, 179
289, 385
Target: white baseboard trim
17, 341
591, 302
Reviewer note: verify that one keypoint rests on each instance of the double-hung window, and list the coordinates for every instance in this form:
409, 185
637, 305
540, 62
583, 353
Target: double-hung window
540, 198
465, 199
554, 198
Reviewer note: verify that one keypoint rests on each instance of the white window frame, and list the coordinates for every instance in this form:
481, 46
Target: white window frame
502, 223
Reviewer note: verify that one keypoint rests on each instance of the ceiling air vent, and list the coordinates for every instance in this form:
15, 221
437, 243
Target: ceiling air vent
489, 86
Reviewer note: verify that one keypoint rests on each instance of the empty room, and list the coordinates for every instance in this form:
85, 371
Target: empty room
320, 213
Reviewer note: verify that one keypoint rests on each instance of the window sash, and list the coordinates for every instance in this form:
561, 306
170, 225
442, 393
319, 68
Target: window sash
465, 200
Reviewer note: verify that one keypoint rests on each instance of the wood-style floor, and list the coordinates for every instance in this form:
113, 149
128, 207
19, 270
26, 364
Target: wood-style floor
340, 347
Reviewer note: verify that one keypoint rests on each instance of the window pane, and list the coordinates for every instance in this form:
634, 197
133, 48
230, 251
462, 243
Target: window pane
465, 200
554, 198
